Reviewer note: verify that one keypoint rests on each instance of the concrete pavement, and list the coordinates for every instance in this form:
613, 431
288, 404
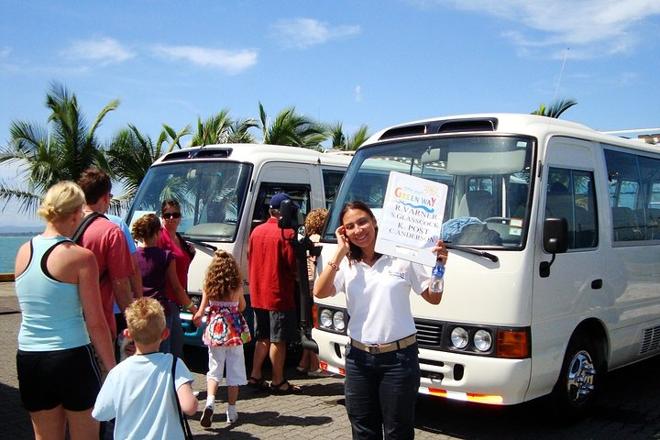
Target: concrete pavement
628, 409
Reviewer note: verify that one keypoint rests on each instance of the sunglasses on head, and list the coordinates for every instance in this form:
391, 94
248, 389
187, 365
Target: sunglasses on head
168, 215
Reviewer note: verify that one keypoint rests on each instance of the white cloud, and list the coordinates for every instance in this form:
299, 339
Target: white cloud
590, 28
229, 61
301, 33
358, 93
102, 50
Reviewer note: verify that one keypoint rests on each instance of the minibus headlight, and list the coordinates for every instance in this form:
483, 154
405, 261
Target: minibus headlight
483, 340
338, 321
459, 337
325, 318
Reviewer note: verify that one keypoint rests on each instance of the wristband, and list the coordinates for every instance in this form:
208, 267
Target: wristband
189, 306
333, 265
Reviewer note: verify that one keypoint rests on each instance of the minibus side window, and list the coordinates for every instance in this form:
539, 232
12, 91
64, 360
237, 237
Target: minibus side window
626, 196
571, 194
331, 181
299, 193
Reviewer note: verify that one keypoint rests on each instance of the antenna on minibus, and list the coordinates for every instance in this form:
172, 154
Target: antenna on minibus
561, 73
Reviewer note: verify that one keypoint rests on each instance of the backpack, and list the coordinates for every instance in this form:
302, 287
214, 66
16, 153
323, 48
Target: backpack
80, 230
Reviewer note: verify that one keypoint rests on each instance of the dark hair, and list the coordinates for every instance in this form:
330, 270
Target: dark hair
355, 253
95, 184
170, 202
146, 227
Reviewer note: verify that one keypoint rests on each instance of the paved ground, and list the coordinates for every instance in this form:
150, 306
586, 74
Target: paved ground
629, 409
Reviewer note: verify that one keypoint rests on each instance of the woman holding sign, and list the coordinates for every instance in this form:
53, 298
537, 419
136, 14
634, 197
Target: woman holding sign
382, 366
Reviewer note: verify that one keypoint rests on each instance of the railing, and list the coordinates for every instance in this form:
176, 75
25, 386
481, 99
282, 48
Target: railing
6, 277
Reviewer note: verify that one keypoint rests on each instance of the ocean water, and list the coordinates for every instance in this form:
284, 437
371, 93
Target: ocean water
9, 245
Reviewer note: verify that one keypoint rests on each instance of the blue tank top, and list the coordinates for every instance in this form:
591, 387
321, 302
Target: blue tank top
52, 313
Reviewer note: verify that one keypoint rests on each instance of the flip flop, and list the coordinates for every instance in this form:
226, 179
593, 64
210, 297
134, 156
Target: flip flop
290, 389
258, 384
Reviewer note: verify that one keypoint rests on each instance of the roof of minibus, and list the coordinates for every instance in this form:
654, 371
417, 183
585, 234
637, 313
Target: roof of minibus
255, 153
518, 123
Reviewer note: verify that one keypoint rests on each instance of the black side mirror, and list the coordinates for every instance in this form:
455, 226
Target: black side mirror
289, 215
555, 241
555, 235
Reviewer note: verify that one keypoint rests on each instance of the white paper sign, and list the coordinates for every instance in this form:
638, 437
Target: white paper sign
411, 218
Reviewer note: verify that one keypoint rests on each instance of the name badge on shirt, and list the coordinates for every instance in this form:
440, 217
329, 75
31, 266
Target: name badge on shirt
397, 274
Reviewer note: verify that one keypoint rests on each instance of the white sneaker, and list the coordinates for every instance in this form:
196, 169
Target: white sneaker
207, 417
232, 414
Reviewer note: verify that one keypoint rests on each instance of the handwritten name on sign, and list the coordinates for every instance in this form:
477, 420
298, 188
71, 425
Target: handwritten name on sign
411, 219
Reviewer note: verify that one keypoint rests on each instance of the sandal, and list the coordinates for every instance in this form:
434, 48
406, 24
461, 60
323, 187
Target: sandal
259, 384
302, 370
289, 388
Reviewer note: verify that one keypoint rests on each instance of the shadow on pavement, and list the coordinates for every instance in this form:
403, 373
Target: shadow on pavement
620, 408
14, 419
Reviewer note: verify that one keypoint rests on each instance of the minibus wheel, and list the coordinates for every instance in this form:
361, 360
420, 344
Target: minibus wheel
579, 380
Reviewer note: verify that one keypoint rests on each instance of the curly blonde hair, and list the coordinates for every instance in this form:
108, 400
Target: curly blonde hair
222, 277
146, 227
62, 199
315, 220
145, 320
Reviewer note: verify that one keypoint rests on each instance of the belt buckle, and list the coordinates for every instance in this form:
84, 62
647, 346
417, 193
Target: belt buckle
373, 349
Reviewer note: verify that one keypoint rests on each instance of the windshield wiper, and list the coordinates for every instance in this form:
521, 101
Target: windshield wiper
199, 242
473, 251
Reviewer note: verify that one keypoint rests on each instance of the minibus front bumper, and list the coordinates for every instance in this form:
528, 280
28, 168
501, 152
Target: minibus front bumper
456, 376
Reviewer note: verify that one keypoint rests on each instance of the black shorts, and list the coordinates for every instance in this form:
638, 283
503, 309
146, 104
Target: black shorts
47, 379
275, 326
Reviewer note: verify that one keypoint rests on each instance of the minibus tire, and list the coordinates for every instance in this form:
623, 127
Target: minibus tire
580, 378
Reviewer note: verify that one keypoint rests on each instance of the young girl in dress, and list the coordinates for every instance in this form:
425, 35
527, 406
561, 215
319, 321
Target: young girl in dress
226, 332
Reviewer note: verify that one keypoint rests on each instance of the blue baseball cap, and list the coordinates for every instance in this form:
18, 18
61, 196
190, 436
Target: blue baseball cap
277, 200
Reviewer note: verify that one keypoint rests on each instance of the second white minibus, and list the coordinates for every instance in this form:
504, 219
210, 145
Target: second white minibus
224, 192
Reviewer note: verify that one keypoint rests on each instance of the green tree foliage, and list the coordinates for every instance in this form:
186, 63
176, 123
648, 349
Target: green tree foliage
59, 151
556, 109
347, 143
131, 154
291, 128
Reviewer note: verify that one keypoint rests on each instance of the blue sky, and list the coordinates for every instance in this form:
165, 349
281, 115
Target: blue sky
359, 62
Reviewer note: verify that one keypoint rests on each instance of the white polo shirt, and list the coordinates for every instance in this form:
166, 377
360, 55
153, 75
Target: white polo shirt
378, 297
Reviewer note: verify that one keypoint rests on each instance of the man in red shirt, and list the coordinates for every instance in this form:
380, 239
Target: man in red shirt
108, 244
272, 269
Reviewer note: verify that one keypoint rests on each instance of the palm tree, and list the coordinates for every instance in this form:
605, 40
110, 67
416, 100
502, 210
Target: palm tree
556, 109
60, 151
131, 154
341, 142
239, 131
215, 130
221, 129
291, 128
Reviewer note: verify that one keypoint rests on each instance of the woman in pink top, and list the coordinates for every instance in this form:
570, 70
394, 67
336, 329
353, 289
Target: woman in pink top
183, 253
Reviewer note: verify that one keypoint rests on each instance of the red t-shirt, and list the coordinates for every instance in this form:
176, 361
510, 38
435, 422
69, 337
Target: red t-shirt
181, 259
272, 267
108, 244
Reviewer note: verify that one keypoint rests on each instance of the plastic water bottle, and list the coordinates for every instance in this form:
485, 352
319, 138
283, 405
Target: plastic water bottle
437, 278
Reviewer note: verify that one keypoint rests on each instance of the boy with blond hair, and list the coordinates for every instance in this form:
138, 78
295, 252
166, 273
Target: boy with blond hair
139, 392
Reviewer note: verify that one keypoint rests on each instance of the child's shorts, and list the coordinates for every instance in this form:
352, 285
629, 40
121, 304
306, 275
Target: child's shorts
232, 359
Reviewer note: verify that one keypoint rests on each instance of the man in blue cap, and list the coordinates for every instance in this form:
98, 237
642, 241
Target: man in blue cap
272, 269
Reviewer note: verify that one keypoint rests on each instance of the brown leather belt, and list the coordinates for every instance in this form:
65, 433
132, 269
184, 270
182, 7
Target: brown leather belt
385, 348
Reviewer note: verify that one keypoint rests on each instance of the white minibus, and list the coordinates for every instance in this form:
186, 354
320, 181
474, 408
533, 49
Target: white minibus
224, 192
554, 270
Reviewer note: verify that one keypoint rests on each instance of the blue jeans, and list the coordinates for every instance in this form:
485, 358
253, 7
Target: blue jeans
381, 391
173, 344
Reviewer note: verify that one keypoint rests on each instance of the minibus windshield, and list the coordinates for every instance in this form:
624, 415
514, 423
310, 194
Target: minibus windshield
211, 195
488, 179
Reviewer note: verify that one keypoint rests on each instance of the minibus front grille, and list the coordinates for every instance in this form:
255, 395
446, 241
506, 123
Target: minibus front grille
429, 333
